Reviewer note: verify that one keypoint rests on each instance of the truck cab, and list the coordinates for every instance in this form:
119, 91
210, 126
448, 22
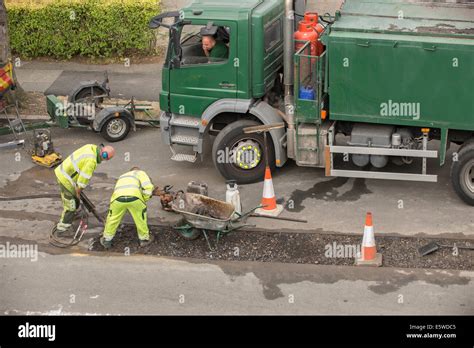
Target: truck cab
203, 95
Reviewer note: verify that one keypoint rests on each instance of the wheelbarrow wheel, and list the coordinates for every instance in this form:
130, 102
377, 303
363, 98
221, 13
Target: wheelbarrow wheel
191, 233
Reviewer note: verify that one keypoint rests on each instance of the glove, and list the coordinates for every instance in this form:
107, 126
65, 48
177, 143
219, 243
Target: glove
166, 200
157, 192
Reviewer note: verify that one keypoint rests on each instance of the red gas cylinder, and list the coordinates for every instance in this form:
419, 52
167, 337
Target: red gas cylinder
313, 18
319, 28
319, 46
306, 32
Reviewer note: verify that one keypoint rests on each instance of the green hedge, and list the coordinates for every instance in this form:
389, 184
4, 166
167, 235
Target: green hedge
90, 28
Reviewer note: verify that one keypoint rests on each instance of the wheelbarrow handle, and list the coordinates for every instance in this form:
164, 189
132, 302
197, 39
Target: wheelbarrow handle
232, 227
245, 215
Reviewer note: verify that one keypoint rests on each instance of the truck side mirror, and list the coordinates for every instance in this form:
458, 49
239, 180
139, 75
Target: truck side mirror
157, 21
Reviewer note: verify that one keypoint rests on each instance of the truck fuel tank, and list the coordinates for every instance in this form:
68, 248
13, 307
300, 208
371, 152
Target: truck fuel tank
371, 135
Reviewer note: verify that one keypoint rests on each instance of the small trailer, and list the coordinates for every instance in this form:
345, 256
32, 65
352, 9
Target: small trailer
85, 108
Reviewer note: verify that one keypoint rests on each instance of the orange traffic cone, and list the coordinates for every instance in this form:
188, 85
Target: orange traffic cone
269, 204
369, 256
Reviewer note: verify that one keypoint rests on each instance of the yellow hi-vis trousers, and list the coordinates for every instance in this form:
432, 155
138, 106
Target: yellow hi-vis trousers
70, 206
117, 210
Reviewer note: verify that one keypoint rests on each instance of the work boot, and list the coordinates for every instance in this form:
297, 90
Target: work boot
107, 244
147, 242
64, 230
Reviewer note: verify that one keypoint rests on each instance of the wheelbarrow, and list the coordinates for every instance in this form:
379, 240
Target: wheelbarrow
202, 214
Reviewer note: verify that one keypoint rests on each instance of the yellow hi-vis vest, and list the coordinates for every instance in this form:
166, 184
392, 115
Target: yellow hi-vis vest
134, 184
77, 169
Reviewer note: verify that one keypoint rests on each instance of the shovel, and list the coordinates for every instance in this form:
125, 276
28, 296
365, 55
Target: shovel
433, 246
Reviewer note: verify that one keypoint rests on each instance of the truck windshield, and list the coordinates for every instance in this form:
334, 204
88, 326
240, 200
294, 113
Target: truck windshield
189, 31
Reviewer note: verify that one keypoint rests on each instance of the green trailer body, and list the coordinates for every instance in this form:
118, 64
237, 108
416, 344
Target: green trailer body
400, 63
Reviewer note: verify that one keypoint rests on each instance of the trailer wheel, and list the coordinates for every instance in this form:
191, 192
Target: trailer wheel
116, 129
462, 173
238, 156
88, 96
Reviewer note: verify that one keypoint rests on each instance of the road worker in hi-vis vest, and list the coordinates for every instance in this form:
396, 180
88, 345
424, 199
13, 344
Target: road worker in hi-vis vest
132, 192
73, 176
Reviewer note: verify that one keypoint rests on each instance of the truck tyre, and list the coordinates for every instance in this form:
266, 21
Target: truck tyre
116, 129
462, 173
238, 156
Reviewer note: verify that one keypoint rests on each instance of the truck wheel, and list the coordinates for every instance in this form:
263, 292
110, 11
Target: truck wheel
462, 173
116, 129
238, 156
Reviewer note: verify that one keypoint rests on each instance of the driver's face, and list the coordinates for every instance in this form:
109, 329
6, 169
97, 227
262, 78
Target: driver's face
208, 43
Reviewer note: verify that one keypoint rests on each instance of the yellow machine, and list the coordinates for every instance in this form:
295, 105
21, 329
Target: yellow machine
43, 149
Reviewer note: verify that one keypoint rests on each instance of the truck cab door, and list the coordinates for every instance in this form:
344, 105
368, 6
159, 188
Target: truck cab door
199, 81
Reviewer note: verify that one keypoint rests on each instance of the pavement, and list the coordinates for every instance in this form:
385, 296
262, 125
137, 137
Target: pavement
142, 81
111, 285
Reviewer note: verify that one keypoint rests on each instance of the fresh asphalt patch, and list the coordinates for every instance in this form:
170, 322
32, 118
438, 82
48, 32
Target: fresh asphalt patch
290, 247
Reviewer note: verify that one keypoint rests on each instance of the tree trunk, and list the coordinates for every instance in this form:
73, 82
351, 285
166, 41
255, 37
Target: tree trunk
5, 56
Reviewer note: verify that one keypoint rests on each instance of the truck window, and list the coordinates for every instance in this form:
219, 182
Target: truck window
192, 46
273, 34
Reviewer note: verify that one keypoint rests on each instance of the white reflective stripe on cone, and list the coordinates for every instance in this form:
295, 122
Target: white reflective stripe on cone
268, 191
369, 238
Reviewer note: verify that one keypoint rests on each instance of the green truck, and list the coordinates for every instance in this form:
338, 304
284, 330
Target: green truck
394, 75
